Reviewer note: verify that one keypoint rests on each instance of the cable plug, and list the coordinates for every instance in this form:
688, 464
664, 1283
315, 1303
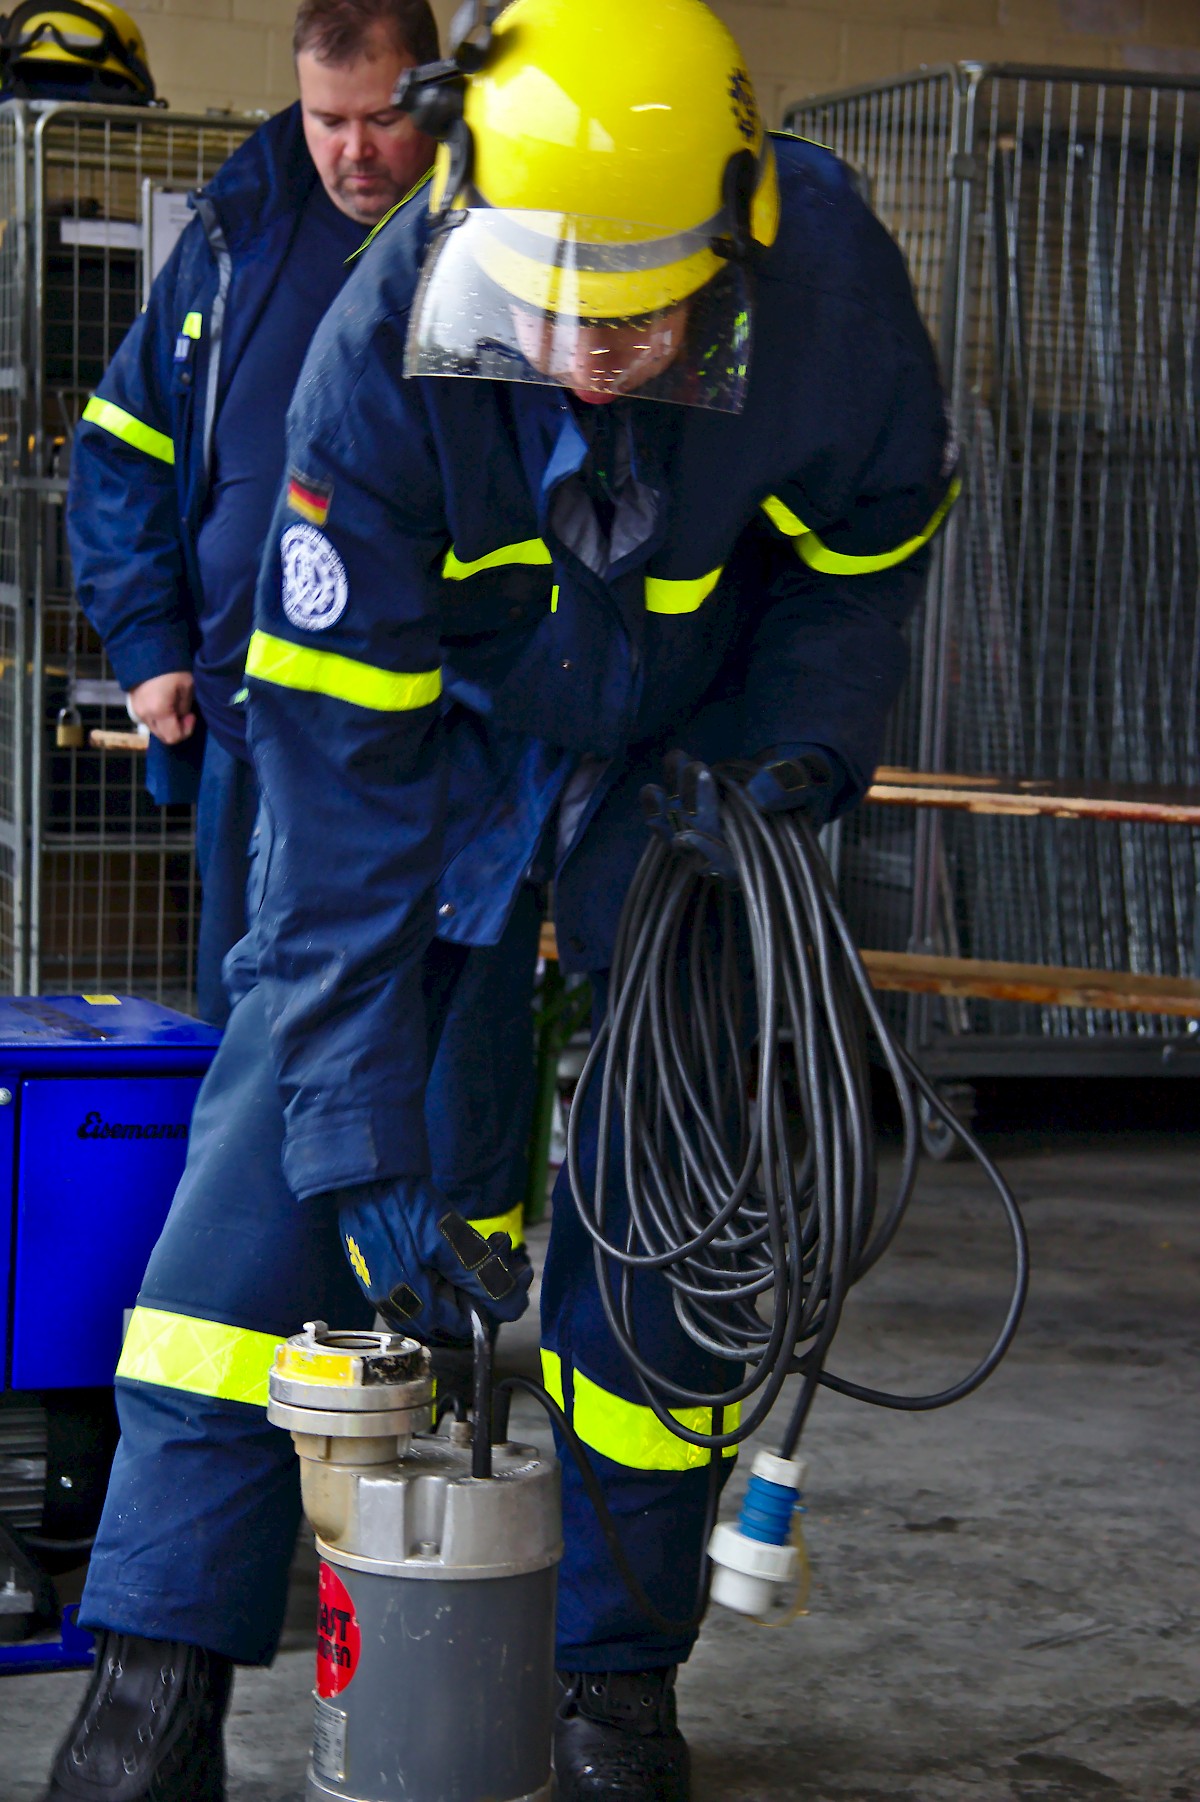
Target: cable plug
755, 1561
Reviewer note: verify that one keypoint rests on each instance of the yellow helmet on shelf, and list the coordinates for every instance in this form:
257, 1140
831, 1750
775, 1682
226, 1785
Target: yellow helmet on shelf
74, 49
606, 164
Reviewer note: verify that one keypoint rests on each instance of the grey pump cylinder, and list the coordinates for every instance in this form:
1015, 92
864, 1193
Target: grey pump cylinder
435, 1639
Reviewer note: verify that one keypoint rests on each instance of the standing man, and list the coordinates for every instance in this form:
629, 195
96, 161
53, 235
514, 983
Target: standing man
177, 463
680, 495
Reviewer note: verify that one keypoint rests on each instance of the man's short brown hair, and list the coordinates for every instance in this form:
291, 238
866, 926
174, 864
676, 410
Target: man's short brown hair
338, 31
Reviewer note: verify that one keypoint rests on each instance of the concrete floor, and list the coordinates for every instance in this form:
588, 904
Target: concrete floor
1005, 1600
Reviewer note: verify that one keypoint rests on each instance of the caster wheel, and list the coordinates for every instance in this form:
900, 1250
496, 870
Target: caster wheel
938, 1140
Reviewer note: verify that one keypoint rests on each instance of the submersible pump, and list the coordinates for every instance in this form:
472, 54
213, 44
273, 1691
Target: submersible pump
439, 1556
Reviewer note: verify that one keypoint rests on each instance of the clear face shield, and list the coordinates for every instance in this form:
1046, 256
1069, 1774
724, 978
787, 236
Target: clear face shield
602, 308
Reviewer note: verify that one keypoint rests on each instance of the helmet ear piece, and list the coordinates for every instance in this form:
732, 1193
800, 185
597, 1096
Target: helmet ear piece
738, 184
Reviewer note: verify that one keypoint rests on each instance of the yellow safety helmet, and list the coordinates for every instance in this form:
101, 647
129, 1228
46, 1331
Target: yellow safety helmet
604, 166
74, 49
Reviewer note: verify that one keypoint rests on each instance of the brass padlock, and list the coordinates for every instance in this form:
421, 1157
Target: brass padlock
68, 733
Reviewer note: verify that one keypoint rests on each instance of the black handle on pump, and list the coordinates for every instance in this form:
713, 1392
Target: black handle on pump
481, 1436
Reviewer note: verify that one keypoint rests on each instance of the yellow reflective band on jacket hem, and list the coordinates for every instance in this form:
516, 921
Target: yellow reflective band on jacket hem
204, 1357
628, 1432
666, 596
512, 1223
193, 325
341, 678
129, 430
832, 563
529, 551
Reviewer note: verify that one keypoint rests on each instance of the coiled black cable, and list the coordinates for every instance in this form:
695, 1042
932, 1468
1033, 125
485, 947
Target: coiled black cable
760, 1209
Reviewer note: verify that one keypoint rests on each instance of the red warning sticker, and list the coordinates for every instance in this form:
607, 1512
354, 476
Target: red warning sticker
338, 1637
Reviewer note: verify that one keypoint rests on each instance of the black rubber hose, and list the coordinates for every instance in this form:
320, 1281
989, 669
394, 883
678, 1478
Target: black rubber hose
759, 1207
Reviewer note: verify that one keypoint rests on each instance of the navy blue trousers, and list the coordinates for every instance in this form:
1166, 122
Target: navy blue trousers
226, 807
203, 1503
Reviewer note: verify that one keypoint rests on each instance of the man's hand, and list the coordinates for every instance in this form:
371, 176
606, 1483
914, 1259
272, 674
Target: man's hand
422, 1264
166, 705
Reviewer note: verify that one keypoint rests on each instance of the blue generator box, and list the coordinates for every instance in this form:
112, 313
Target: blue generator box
96, 1098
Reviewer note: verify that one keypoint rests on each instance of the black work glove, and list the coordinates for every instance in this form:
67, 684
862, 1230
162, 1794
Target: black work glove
686, 814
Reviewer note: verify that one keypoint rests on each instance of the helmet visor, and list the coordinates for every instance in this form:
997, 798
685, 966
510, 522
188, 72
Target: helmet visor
605, 309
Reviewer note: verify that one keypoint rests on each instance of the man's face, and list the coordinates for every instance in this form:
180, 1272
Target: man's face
600, 363
367, 154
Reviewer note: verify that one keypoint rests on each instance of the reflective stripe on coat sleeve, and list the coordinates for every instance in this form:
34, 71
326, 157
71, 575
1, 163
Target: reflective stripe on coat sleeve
628, 1432
811, 550
666, 596
204, 1357
129, 430
288, 665
530, 550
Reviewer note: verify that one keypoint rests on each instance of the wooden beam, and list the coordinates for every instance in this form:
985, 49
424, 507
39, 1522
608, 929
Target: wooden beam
1029, 797
1044, 985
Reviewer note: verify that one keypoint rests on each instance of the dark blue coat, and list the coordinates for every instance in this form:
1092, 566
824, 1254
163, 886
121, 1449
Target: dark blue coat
141, 457
450, 679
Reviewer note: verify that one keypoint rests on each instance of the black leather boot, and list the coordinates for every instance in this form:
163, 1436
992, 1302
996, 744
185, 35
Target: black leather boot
615, 1738
149, 1727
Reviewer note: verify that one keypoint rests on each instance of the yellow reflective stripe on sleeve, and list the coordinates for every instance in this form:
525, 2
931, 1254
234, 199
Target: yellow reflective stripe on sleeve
193, 325
665, 596
552, 1376
530, 550
512, 1223
782, 518
204, 1357
129, 430
627, 1432
811, 550
341, 678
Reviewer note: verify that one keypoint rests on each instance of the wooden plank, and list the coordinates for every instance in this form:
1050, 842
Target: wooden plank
1045, 985
101, 739
1029, 797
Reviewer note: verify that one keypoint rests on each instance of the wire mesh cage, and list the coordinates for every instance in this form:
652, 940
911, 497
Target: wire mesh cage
1051, 219
99, 888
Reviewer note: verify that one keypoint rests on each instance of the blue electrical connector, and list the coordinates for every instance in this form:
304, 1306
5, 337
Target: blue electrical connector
755, 1561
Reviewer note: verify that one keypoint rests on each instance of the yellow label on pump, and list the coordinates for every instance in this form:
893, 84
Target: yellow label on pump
101, 1000
304, 1365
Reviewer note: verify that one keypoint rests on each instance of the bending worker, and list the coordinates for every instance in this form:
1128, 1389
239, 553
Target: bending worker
683, 502
177, 462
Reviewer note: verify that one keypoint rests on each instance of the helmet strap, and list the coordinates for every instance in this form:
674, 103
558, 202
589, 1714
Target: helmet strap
737, 243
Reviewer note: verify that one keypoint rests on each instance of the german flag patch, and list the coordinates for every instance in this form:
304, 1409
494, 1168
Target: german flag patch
308, 498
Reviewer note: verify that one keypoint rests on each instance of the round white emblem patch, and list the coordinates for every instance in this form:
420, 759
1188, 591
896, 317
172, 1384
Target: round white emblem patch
315, 590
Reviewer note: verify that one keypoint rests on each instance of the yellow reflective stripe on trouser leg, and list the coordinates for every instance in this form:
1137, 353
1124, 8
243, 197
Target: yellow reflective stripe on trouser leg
203, 1357
342, 678
629, 1433
666, 596
833, 563
129, 430
530, 551
512, 1223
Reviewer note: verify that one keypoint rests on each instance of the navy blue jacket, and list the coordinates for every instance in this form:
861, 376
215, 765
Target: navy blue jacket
452, 675
142, 455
